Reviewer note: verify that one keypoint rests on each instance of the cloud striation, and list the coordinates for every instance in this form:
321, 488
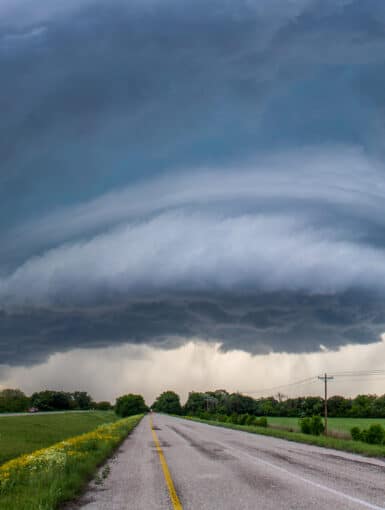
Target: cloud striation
173, 171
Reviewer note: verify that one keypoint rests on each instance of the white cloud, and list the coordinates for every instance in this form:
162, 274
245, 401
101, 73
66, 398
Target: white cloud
332, 176
193, 232
193, 251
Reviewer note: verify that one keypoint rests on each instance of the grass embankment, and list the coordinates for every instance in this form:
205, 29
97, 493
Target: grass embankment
25, 434
338, 425
327, 442
46, 478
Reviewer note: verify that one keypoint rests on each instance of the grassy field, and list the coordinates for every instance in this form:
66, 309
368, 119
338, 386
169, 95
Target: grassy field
342, 425
25, 434
346, 445
46, 478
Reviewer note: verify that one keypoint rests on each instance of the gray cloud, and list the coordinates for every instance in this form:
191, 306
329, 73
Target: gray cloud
254, 262
254, 229
259, 324
137, 88
174, 170
197, 251
325, 187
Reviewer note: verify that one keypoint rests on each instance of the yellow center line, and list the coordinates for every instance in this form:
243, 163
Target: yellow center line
177, 505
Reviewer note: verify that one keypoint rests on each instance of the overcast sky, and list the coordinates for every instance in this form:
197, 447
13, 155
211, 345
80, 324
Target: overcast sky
198, 185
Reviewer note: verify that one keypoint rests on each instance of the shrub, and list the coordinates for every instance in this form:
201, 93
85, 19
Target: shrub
242, 419
313, 425
261, 422
356, 433
317, 426
251, 420
375, 434
305, 425
364, 435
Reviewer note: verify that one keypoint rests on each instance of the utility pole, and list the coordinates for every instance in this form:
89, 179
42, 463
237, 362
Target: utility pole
326, 378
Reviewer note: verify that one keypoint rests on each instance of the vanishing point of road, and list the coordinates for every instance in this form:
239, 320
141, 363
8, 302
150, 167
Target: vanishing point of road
173, 464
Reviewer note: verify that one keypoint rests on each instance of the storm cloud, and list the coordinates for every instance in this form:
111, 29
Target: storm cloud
212, 170
259, 324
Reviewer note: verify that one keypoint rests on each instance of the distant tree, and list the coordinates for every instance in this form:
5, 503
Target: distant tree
378, 407
129, 405
268, 407
240, 404
311, 406
168, 402
81, 400
339, 406
363, 406
13, 401
102, 406
196, 403
219, 401
49, 400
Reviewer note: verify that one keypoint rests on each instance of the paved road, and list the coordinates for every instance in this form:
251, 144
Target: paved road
221, 469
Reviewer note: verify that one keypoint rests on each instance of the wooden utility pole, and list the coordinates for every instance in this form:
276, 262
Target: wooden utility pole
326, 378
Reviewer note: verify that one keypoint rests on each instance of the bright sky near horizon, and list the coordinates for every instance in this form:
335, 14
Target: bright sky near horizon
192, 194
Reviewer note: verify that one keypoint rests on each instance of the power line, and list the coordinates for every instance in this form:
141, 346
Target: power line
358, 375
363, 378
282, 386
359, 372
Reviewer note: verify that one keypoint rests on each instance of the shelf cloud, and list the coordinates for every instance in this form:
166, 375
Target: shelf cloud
173, 171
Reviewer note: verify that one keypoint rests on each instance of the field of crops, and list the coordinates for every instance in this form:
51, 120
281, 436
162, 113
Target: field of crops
335, 424
25, 434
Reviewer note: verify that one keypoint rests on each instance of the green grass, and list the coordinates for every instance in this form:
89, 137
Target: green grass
341, 425
46, 479
346, 445
25, 434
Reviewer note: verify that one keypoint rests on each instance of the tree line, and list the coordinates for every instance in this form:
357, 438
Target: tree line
218, 402
15, 401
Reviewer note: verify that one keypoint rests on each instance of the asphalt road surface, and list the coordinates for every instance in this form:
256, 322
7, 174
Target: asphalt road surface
213, 468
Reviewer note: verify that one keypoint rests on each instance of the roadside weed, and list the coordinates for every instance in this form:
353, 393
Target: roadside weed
43, 479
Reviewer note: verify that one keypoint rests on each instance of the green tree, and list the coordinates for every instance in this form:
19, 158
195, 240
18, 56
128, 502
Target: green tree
13, 401
81, 400
168, 402
104, 405
362, 406
129, 405
378, 407
240, 404
49, 400
339, 406
196, 403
